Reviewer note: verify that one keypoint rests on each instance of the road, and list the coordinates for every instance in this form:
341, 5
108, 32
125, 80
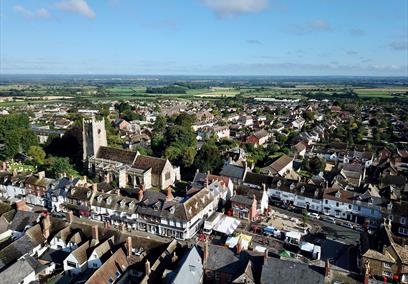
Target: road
332, 231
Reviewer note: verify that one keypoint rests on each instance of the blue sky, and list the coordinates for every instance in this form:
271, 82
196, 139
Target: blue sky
205, 37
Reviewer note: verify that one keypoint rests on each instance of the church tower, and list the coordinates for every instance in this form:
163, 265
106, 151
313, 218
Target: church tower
94, 136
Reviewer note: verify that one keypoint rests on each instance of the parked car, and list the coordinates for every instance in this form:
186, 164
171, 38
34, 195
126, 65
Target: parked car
330, 220
313, 215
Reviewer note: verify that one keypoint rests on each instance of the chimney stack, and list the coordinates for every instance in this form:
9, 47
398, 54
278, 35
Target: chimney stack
147, 268
239, 247
327, 268
366, 272
85, 179
169, 196
141, 192
205, 252
70, 217
21, 205
46, 225
95, 233
129, 245
265, 256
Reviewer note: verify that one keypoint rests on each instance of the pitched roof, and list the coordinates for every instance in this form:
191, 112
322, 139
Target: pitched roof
373, 254
118, 155
113, 268
232, 171
19, 270
148, 162
277, 271
191, 268
81, 253
278, 165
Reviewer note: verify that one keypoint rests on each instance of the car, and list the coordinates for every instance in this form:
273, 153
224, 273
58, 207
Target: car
330, 220
313, 215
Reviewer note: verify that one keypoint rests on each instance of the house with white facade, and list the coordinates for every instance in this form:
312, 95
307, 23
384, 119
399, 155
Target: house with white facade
340, 203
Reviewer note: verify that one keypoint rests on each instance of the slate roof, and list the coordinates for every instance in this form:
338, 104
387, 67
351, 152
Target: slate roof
241, 199
146, 162
32, 238
22, 219
118, 155
277, 271
224, 260
190, 269
232, 171
19, 270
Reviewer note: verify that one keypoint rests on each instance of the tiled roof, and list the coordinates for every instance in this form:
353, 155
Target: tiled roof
147, 162
118, 155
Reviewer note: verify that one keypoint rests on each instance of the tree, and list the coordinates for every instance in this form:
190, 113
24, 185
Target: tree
185, 119
305, 217
208, 157
37, 154
160, 124
58, 165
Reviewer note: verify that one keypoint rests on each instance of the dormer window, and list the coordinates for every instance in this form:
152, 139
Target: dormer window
109, 201
132, 205
279, 183
156, 206
292, 186
338, 194
302, 189
88, 194
172, 210
370, 200
122, 203
99, 198
389, 206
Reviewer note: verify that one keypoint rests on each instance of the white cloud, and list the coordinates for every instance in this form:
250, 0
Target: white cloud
320, 25
76, 6
226, 8
42, 12
23, 11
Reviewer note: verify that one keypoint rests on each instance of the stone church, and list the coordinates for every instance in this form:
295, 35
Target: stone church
126, 168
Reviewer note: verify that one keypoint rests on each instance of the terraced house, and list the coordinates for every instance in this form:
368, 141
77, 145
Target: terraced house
157, 212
